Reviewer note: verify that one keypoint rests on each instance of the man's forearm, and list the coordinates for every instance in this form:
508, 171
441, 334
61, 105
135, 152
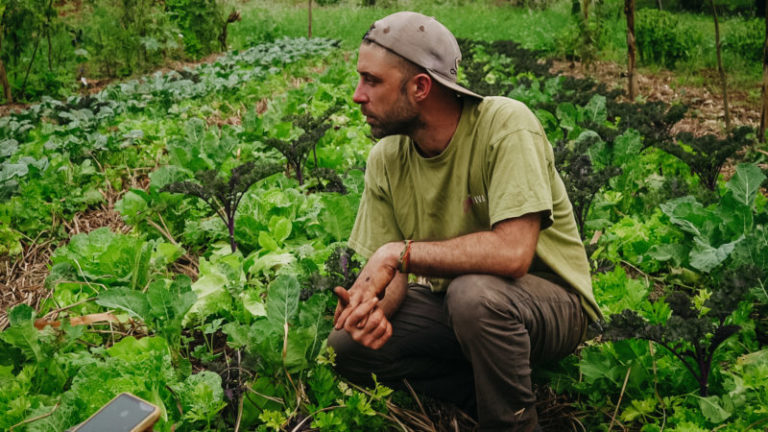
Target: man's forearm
506, 251
394, 294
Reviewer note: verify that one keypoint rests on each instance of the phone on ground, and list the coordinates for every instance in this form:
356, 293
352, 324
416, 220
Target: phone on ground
124, 413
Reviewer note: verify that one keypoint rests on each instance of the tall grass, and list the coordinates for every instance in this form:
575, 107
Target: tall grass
554, 30
348, 22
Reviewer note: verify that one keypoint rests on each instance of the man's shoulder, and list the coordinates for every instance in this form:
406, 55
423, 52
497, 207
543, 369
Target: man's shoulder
387, 149
505, 115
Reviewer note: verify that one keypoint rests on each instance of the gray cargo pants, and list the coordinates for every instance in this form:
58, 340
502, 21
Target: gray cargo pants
473, 346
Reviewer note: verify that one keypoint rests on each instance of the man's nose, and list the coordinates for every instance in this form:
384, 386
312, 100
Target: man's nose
359, 97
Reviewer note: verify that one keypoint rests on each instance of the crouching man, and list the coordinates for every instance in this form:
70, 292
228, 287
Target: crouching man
475, 266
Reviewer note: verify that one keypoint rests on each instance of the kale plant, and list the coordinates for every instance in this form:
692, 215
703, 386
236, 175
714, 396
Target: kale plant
695, 329
297, 151
341, 269
582, 179
222, 195
707, 154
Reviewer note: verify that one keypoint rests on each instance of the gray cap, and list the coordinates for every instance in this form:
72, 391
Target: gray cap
423, 41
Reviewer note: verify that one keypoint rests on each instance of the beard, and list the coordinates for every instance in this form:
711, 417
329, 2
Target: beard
401, 119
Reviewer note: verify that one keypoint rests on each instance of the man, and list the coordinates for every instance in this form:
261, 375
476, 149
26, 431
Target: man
462, 193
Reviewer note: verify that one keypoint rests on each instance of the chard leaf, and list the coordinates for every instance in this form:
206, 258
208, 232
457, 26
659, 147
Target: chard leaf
596, 111
746, 183
283, 300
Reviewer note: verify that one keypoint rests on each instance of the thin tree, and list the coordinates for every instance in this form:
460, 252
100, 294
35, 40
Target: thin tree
3, 74
764, 113
720, 67
309, 26
629, 11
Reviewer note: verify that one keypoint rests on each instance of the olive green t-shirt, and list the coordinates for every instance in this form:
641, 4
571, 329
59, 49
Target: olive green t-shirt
498, 165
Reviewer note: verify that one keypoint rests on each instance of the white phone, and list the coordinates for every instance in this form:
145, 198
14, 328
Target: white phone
124, 413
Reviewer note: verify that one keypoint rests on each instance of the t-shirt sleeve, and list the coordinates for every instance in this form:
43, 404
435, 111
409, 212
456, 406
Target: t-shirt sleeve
519, 180
375, 224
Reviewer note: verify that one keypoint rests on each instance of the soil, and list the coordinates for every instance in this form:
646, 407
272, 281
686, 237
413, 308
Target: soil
705, 114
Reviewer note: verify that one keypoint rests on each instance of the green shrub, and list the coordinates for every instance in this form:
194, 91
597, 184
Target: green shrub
662, 39
124, 37
746, 39
200, 21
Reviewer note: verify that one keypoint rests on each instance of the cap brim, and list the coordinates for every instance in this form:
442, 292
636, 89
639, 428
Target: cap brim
452, 85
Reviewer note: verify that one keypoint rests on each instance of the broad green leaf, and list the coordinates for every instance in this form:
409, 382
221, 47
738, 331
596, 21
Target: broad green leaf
267, 242
131, 301
283, 299
705, 257
568, 115
211, 292
253, 303
280, 228
595, 109
712, 409
133, 206
164, 254
746, 183
131, 349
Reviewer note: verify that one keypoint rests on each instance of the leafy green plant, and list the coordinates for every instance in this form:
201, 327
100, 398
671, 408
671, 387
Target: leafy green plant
162, 308
224, 195
707, 154
296, 151
662, 38
202, 23
695, 329
144, 39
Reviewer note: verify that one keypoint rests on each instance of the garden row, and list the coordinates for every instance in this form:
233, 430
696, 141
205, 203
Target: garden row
215, 305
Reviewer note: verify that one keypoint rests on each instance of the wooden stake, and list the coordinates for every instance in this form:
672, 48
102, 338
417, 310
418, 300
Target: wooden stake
720, 69
629, 11
764, 111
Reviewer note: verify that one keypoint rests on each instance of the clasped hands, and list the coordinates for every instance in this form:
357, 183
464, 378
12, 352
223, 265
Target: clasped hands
359, 310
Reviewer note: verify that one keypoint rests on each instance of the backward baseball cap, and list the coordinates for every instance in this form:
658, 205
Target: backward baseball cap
423, 41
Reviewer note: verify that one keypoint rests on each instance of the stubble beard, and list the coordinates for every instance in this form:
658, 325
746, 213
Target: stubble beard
402, 119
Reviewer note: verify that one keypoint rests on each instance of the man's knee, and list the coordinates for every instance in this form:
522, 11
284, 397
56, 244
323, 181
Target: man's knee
473, 299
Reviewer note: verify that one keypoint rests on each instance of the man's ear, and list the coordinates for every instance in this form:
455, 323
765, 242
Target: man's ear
423, 86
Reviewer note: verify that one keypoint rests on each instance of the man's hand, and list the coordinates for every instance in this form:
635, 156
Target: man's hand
370, 285
372, 328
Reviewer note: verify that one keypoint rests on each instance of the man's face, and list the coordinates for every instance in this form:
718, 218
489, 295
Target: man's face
381, 94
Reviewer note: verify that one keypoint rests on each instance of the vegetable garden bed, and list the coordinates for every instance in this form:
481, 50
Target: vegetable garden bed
211, 296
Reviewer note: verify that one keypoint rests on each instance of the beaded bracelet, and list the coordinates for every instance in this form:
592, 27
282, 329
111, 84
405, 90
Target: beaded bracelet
405, 257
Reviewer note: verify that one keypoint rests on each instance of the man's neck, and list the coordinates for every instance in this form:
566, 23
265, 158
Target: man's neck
440, 121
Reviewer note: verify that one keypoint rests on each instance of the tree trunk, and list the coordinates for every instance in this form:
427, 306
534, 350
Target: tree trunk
659, 3
629, 11
48, 36
29, 67
4, 77
720, 67
309, 25
764, 113
585, 10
